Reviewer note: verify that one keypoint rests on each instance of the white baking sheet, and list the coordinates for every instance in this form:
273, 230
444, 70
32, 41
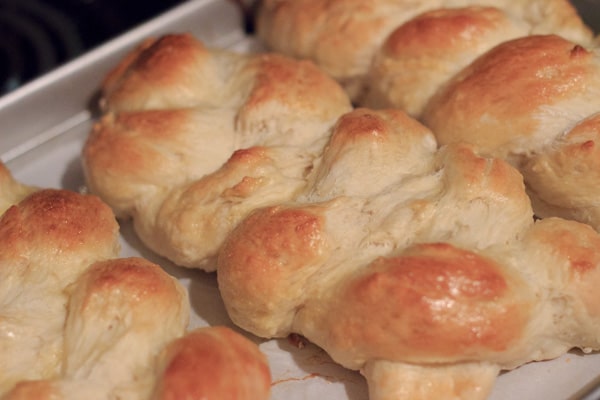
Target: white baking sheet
42, 130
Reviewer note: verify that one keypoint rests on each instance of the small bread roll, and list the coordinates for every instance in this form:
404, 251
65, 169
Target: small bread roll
212, 363
80, 323
194, 138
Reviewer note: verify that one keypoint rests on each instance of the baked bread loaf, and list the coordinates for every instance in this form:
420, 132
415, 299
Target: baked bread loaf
422, 268
80, 323
193, 138
532, 101
343, 36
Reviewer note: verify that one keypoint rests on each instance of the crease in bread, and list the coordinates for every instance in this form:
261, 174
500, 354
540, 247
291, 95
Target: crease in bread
430, 277
78, 322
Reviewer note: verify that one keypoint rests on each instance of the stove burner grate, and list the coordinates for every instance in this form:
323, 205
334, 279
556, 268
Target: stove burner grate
39, 35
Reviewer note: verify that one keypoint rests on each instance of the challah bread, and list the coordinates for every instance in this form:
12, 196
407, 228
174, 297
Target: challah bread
430, 283
120, 313
80, 323
343, 36
531, 101
195, 138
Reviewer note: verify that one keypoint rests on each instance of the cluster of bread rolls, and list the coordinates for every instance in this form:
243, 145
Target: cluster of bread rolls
518, 79
80, 323
394, 238
422, 268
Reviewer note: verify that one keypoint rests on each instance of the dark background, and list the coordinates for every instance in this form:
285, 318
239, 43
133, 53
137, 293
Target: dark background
39, 35
590, 12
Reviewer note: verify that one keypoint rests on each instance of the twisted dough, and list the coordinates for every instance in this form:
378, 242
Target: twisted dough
429, 279
79, 323
534, 102
344, 36
42, 252
195, 138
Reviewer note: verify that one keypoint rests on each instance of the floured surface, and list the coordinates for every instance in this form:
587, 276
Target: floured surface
299, 372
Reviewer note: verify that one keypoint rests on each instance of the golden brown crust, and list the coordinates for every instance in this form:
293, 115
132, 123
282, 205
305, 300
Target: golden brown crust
370, 150
212, 363
150, 76
279, 245
419, 56
434, 302
575, 246
545, 72
54, 223
121, 313
80, 323
129, 157
298, 87
28, 390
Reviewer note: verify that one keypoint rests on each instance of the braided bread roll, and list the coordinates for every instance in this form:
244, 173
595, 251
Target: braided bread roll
42, 253
532, 101
79, 323
422, 268
195, 138
344, 36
